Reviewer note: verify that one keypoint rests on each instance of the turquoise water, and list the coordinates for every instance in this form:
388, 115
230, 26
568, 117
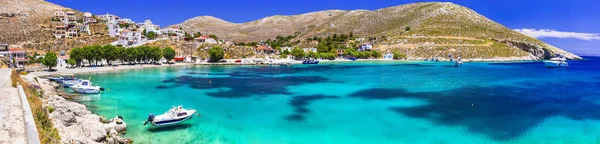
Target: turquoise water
360, 102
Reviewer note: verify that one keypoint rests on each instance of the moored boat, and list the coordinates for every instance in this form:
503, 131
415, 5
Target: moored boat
310, 61
175, 115
85, 87
69, 83
62, 78
556, 63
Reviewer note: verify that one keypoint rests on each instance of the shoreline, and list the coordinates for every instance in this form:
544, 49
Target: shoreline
75, 110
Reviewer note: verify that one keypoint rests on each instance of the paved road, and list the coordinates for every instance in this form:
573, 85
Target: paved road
12, 127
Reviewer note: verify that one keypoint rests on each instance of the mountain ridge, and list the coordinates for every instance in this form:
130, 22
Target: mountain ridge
388, 25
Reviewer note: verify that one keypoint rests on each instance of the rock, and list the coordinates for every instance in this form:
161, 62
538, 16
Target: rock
114, 124
67, 118
92, 127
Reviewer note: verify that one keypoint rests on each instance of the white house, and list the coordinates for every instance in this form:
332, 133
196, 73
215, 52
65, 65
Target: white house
169, 31
306, 50
60, 15
359, 39
128, 38
149, 27
367, 46
109, 18
126, 20
286, 48
4, 51
113, 29
205, 39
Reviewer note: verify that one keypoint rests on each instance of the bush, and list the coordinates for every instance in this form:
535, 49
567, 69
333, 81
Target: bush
50, 109
399, 56
216, 53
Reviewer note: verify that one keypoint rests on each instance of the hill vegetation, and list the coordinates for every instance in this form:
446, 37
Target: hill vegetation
421, 30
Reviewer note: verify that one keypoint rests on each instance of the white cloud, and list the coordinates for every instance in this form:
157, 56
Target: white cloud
548, 33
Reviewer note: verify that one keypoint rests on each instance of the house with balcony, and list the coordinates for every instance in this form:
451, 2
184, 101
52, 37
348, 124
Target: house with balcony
71, 32
264, 49
172, 31
59, 16
60, 31
89, 18
19, 56
128, 38
367, 46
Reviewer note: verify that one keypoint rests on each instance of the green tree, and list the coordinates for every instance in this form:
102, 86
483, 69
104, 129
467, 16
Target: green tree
312, 54
169, 53
109, 53
399, 55
216, 53
144, 32
407, 28
154, 54
86, 53
298, 53
197, 34
131, 54
151, 35
213, 36
50, 60
77, 54
72, 62
375, 54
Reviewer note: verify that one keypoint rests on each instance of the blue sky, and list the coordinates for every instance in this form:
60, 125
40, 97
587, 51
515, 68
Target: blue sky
572, 25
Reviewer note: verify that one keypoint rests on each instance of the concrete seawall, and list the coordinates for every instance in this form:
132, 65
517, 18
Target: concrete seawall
30, 129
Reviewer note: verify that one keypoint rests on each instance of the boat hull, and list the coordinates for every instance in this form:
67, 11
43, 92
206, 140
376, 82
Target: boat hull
175, 121
86, 90
555, 64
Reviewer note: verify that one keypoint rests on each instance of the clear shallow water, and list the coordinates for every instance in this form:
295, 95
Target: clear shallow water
360, 102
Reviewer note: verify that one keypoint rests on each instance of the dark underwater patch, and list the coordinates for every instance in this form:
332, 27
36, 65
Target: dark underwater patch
300, 102
499, 112
413, 65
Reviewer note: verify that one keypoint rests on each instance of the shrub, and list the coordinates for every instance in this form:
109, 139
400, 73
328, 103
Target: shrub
399, 55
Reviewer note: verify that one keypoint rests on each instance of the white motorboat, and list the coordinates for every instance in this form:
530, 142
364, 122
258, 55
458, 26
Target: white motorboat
556, 62
85, 87
458, 62
173, 116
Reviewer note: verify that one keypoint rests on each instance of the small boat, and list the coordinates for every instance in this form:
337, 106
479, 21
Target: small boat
556, 62
85, 87
69, 83
458, 62
173, 116
352, 59
62, 77
310, 61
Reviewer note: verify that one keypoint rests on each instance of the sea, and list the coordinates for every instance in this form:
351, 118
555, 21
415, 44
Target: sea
359, 102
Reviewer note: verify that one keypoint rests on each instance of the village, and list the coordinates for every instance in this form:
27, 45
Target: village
193, 48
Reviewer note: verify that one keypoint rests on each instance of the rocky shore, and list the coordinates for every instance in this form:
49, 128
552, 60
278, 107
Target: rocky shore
76, 124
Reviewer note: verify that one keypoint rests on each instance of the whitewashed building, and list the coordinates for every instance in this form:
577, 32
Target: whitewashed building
307, 50
205, 39
170, 31
128, 38
149, 27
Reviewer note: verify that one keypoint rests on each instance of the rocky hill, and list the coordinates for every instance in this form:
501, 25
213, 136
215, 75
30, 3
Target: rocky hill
435, 30
26, 23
